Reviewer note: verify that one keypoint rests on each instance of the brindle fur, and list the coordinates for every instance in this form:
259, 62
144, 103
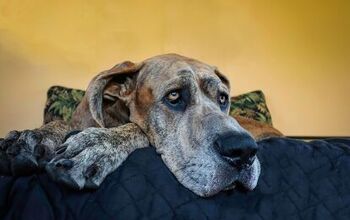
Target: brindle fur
123, 110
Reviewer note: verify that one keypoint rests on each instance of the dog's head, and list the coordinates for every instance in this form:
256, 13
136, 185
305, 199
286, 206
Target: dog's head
182, 106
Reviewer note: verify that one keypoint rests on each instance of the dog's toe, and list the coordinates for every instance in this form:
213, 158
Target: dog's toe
42, 154
90, 175
50, 170
64, 163
2, 141
40, 151
89, 184
58, 175
59, 171
9, 140
67, 180
91, 171
14, 149
23, 164
56, 167
5, 168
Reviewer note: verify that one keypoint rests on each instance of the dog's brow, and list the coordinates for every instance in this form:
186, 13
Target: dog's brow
185, 73
175, 83
209, 82
210, 85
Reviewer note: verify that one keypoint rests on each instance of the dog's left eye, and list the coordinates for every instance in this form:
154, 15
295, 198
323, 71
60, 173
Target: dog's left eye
223, 100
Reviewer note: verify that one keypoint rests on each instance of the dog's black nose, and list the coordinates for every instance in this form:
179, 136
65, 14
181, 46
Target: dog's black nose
236, 148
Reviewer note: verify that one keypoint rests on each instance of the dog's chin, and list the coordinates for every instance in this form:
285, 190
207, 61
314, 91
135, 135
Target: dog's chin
248, 177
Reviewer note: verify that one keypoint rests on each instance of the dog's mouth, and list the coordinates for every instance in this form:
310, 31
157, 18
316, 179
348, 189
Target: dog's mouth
248, 176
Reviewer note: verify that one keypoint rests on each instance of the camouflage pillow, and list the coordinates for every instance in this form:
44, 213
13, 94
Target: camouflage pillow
251, 105
61, 103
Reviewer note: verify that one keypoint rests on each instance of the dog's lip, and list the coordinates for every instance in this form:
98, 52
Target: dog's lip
241, 179
249, 176
235, 181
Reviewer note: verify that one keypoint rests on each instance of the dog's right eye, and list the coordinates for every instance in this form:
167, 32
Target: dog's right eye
173, 97
176, 100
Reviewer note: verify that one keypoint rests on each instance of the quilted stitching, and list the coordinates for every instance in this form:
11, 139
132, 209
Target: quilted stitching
299, 180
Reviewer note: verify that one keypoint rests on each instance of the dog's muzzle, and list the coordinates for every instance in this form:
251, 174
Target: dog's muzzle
239, 150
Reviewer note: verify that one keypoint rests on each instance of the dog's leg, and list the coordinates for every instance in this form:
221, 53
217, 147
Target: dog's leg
25, 152
86, 158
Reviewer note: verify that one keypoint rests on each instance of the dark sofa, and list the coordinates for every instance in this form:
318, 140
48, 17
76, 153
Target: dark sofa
299, 180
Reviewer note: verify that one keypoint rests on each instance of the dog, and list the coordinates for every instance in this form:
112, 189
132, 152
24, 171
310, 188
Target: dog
176, 104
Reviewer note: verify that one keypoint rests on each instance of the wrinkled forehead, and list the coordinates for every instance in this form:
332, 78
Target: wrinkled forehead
175, 70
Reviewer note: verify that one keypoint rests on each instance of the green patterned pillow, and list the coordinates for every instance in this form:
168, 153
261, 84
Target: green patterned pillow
61, 103
251, 105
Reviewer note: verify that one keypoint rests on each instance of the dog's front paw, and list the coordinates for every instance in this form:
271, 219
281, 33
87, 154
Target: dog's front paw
85, 159
24, 152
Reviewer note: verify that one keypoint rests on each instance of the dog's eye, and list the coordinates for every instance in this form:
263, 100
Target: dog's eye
177, 99
173, 97
223, 100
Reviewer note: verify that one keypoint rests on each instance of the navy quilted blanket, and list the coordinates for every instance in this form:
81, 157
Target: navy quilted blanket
299, 180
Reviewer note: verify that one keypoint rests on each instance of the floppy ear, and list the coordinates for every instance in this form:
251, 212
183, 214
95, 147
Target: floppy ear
117, 83
223, 78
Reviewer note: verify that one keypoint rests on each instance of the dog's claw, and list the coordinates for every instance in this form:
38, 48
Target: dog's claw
91, 171
61, 149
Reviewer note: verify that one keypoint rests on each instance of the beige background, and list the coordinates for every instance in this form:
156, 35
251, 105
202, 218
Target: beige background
297, 52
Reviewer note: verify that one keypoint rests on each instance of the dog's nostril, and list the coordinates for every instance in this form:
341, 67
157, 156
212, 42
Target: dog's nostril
234, 153
233, 161
240, 160
248, 157
252, 153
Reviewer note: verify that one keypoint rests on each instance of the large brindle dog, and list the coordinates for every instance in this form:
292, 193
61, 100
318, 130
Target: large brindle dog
176, 104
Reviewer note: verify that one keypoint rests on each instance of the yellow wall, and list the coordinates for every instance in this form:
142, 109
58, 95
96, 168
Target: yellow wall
297, 52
